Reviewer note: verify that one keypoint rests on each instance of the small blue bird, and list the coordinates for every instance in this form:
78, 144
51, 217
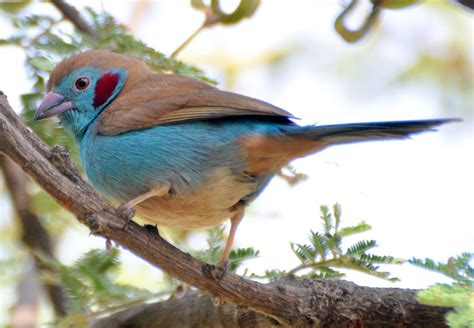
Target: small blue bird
180, 152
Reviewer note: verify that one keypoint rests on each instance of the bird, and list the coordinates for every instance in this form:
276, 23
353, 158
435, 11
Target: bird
178, 151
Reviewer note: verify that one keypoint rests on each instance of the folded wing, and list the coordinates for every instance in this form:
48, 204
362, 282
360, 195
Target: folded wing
167, 99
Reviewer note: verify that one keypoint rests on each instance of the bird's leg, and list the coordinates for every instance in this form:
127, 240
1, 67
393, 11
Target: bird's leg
126, 208
221, 267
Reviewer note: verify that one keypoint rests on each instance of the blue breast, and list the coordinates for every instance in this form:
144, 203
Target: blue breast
184, 155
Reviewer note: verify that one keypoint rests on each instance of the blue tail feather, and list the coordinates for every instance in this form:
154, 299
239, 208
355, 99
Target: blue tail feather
355, 132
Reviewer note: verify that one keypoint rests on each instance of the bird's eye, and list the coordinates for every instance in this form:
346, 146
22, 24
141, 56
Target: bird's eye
81, 83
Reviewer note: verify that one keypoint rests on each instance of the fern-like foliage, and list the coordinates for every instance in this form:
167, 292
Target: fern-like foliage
457, 268
91, 287
324, 253
216, 243
90, 281
459, 294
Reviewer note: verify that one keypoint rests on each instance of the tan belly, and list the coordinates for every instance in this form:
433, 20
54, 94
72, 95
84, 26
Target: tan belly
205, 207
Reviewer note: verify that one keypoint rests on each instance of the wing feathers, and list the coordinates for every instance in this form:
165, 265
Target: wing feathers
168, 99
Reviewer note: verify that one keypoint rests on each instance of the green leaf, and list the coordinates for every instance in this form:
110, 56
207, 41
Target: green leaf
237, 257
324, 273
320, 245
246, 8
457, 268
348, 231
334, 243
326, 217
337, 216
274, 275
381, 259
198, 4
13, 7
462, 316
305, 253
446, 295
361, 247
30, 21
396, 4
42, 63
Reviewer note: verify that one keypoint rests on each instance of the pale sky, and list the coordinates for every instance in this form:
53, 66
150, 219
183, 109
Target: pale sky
417, 194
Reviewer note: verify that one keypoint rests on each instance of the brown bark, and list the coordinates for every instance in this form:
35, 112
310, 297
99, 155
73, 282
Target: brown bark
334, 303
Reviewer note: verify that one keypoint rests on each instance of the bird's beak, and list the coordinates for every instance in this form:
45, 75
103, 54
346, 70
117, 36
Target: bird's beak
53, 104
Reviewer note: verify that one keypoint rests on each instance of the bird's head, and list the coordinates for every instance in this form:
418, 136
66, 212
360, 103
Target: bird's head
81, 86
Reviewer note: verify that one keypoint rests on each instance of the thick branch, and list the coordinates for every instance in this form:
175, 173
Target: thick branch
185, 311
289, 305
34, 235
334, 303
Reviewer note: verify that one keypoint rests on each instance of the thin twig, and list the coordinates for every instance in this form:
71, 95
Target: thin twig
73, 15
188, 40
210, 20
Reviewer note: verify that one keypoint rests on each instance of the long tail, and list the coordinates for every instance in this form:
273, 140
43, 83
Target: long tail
269, 152
356, 132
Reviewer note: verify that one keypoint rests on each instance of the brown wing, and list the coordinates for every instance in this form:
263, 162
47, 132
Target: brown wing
166, 99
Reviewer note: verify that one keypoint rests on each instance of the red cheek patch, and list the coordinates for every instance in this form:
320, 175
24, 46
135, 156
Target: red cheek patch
104, 88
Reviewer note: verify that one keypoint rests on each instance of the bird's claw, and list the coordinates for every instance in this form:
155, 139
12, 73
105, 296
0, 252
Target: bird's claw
126, 213
216, 272
152, 228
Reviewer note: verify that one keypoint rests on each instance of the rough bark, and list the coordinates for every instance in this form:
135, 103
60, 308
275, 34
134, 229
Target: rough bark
333, 303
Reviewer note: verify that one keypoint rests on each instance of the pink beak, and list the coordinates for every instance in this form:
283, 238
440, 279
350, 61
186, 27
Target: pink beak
53, 104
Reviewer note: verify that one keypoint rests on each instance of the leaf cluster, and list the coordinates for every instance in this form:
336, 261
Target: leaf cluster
216, 242
90, 281
459, 294
324, 255
91, 287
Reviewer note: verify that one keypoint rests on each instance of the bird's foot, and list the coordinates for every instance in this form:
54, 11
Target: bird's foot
152, 228
216, 272
126, 209
126, 213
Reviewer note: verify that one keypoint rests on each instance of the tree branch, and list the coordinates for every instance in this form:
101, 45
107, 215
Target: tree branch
24, 313
333, 303
288, 304
73, 15
466, 3
185, 311
34, 235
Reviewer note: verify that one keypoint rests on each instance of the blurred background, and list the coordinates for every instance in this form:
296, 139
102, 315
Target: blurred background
415, 63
